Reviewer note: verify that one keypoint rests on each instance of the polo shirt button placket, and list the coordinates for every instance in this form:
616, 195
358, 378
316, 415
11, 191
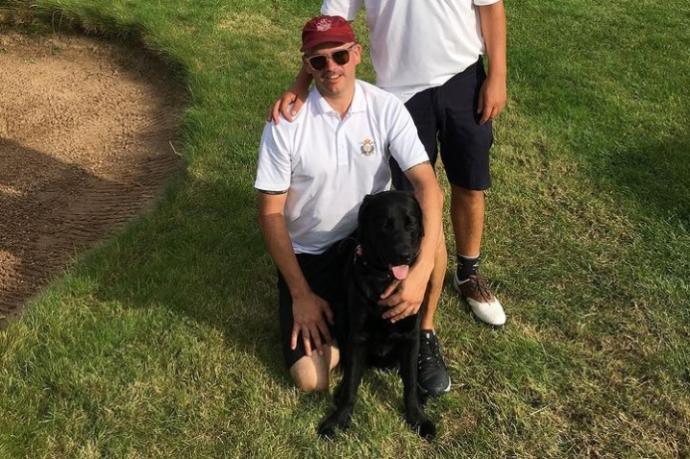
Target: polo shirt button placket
341, 142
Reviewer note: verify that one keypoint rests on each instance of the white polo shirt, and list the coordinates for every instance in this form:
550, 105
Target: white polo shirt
328, 164
417, 44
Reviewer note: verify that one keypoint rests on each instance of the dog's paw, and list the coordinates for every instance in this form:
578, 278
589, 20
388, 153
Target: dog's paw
423, 426
427, 430
326, 430
335, 421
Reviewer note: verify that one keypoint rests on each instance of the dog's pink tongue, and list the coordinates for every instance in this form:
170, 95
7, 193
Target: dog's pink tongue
400, 272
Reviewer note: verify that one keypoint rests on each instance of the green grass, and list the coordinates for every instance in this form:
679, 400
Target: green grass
162, 342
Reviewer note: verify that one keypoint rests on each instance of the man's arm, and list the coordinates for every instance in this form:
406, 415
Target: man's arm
493, 95
308, 308
406, 296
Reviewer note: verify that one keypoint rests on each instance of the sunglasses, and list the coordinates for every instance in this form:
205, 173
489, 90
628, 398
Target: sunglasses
340, 57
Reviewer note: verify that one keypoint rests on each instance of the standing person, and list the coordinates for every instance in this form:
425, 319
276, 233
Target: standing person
312, 176
429, 54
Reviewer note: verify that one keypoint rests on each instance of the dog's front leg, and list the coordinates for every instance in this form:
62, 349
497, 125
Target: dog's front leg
346, 393
414, 413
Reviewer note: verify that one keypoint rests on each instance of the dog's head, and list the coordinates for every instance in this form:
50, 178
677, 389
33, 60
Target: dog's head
390, 231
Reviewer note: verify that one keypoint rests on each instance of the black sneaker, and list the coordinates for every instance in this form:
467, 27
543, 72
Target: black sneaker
432, 375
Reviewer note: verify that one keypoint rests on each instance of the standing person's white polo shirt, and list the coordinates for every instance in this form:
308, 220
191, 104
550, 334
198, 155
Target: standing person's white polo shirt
328, 164
416, 44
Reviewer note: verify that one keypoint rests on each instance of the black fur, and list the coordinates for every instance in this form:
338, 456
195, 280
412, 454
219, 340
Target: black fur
390, 232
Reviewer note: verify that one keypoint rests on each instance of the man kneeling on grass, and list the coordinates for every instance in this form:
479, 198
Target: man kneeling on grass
312, 175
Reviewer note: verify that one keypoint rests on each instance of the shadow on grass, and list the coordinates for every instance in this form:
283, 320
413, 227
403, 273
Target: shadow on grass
656, 175
200, 255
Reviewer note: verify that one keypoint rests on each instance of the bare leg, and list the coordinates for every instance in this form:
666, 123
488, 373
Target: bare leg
467, 216
433, 294
311, 373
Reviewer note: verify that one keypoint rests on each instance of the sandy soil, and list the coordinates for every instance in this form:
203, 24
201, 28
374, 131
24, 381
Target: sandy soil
85, 145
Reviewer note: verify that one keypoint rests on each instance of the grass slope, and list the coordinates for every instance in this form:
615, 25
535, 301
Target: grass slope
162, 342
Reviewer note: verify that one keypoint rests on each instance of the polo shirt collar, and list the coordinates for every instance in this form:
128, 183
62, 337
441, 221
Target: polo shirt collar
359, 103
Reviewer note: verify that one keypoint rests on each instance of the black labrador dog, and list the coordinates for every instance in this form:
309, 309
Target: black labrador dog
390, 232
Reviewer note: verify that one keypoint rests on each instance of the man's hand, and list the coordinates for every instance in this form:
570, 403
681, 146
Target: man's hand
492, 98
288, 105
308, 319
493, 94
404, 297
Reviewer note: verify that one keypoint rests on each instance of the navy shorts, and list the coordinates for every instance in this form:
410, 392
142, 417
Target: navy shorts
446, 119
325, 275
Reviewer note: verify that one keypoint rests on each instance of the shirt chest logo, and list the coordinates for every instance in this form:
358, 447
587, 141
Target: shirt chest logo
368, 147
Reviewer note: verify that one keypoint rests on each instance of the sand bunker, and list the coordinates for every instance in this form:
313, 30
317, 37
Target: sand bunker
85, 145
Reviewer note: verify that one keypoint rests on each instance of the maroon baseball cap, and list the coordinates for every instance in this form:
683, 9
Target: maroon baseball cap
326, 29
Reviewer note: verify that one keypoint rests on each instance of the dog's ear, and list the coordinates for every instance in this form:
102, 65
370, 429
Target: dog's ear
363, 206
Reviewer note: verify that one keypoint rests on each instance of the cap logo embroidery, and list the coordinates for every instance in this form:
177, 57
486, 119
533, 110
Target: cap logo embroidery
324, 25
368, 147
